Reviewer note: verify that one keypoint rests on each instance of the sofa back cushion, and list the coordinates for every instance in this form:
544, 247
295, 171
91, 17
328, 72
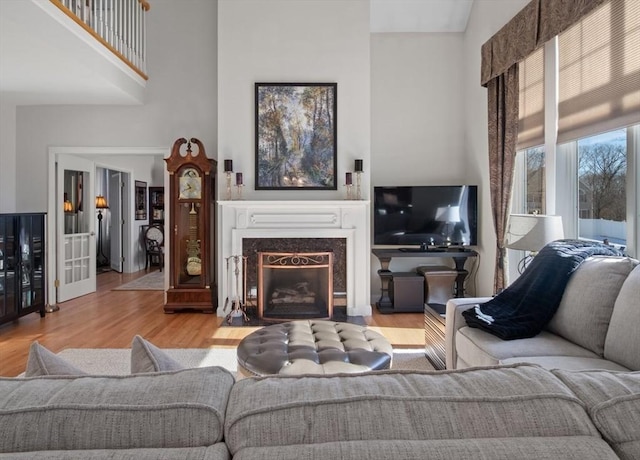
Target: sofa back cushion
613, 400
510, 401
623, 338
587, 303
172, 409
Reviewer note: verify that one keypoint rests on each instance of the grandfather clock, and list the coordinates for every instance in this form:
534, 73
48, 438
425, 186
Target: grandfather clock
191, 229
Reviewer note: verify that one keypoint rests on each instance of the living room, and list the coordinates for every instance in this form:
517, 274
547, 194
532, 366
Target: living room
383, 79
207, 94
411, 107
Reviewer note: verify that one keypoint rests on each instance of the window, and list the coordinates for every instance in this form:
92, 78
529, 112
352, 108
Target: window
602, 193
591, 153
535, 176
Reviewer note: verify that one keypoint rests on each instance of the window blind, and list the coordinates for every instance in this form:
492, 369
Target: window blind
599, 71
531, 110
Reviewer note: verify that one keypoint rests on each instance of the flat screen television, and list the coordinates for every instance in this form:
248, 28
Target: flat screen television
437, 215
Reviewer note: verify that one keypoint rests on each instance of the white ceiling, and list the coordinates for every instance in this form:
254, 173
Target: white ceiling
419, 15
45, 61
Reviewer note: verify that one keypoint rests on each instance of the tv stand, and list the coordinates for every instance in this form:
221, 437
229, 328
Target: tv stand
458, 254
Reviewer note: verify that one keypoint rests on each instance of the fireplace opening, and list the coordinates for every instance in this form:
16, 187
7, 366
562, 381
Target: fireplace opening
294, 285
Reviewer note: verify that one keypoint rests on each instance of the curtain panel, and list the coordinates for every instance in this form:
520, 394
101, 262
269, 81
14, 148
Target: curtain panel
534, 25
503, 133
531, 28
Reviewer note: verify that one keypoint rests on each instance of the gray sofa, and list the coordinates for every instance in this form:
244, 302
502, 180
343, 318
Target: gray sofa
596, 325
518, 411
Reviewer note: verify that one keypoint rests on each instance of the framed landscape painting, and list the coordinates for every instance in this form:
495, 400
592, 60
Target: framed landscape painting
296, 136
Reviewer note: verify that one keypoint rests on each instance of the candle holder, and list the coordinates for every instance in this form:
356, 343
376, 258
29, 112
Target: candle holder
358, 168
239, 191
349, 188
358, 185
228, 195
228, 169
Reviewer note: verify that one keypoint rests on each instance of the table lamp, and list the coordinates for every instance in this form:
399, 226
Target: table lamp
531, 232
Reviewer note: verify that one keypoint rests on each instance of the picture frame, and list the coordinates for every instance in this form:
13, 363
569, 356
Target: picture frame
140, 194
296, 136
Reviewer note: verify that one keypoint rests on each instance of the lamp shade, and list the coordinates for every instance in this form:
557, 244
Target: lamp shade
531, 232
448, 214
101, 202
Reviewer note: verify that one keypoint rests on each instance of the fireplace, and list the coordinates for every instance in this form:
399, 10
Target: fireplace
340, 227
295, 285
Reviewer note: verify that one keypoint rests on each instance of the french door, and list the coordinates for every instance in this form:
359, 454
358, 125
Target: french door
75, 227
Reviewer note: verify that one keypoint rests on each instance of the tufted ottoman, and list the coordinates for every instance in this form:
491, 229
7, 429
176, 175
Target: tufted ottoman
313, 347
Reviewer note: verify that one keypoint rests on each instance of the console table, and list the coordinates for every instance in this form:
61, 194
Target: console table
458, 254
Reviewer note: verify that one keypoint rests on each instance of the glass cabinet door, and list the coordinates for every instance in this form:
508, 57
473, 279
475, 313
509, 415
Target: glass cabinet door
22, 265
31, 261
9, 266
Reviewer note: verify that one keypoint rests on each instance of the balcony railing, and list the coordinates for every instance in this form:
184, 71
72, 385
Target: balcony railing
118, 24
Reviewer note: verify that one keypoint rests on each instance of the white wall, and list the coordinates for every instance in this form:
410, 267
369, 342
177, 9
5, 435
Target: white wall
7, 157
292, 41
417, 118
487, 17
181, 101
417, 109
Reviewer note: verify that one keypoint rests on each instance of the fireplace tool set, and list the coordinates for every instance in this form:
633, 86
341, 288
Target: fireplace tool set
238, 307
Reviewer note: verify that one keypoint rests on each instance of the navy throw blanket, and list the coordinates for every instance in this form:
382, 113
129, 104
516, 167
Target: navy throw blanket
526, 306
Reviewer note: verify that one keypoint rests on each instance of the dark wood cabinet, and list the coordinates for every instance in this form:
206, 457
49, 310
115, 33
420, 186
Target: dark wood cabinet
156, 205
191, 229
22, 265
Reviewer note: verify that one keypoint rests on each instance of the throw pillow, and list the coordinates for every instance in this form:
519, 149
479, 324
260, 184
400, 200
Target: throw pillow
43, 362
146, 357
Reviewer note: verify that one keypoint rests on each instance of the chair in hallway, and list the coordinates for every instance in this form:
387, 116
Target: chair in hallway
154, 246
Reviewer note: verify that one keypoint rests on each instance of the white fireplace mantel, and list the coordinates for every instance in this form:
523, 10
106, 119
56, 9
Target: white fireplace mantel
299, 219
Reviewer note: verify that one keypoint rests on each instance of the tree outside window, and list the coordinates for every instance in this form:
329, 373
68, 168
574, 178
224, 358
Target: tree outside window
535, 186
602, 172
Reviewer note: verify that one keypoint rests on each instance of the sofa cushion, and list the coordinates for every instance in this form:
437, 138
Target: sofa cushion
146, 357
215, 452
570, 363
567, 448
613, 400
43, 362
397, 405
623, 339
587, 303
483, 349
168, 409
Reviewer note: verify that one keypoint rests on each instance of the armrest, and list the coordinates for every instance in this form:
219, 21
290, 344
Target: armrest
454, 321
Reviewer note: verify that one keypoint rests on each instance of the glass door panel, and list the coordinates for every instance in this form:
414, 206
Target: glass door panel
76, 236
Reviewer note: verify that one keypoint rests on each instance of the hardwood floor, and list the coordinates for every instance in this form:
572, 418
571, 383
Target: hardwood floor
110, 319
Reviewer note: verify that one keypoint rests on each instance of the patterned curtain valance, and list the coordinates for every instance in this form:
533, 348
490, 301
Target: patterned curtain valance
532, 27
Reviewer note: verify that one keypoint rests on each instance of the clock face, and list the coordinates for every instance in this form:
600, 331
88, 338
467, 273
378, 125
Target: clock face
190, 184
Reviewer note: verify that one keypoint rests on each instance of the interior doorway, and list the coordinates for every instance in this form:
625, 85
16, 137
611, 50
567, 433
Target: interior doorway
133, 158
112, 186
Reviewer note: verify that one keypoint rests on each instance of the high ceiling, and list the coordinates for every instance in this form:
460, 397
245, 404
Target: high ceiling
43, 61
419, 15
